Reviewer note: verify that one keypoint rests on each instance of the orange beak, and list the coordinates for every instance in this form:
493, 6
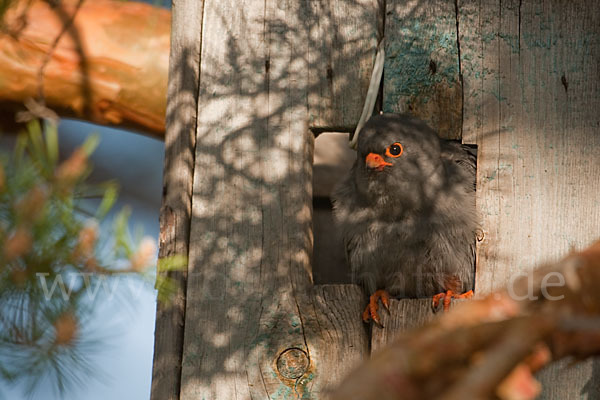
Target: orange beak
376, 162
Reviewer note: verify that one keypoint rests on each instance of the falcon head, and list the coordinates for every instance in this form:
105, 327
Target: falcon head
398, 162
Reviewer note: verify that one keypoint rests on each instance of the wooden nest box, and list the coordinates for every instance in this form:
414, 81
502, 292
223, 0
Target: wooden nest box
250, 84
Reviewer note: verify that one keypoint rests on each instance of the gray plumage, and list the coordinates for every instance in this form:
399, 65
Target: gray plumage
410, 227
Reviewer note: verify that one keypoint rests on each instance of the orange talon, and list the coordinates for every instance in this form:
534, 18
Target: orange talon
447, 298
436, 300
466, 295
370, 312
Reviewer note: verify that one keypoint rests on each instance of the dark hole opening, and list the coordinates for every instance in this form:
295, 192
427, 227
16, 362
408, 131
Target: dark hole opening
333, 158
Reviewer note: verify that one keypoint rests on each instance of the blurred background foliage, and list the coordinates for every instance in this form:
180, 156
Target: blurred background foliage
56, 265
65, 253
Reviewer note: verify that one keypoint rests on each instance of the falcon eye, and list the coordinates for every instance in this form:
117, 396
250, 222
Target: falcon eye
394, 150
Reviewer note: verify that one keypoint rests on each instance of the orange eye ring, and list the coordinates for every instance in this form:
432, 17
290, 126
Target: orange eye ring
394, 150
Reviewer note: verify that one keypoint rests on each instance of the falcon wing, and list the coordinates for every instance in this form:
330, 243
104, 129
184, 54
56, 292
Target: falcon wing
462, 158
465, 157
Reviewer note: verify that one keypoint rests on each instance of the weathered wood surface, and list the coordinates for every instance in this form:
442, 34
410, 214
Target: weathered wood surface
532, 104
340, 339
255, 326
532, 95
404, 314
422, 69
250, 234
467, 352
343, 37
175, 213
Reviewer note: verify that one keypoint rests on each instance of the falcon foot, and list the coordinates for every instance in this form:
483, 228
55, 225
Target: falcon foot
370, 312
447, 297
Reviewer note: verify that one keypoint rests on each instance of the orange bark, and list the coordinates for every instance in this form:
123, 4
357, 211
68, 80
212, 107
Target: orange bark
103, 61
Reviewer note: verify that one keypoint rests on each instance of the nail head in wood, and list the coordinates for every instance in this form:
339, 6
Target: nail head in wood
480, 235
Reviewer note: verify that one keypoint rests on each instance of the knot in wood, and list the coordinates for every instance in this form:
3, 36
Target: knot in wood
293, 363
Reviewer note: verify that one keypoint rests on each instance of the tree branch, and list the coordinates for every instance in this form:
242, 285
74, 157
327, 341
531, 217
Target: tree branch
489, 348
103, 61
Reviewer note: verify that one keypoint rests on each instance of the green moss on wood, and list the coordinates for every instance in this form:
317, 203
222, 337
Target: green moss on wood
409, 56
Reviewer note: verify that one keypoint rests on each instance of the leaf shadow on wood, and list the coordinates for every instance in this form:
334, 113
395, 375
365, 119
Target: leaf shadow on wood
250, 297
175, 215
264, 80
268, 75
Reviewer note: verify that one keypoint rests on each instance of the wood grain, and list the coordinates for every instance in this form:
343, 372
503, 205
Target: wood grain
422, 70
405, 314
340, 341
255, 327
538, 169
175, 213
251, 226
342, 45
531, 98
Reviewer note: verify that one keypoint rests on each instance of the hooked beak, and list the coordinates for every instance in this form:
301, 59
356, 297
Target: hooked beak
376, 162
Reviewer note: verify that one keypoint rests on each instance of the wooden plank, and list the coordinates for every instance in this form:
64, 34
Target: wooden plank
404, 314
251, 226
343, 37
339, 339
538, 170
531, 98
478, 38
175, 214
254, 328
422, 69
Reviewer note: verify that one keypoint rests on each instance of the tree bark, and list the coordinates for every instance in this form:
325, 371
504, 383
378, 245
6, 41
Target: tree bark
489, 348
102, 61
